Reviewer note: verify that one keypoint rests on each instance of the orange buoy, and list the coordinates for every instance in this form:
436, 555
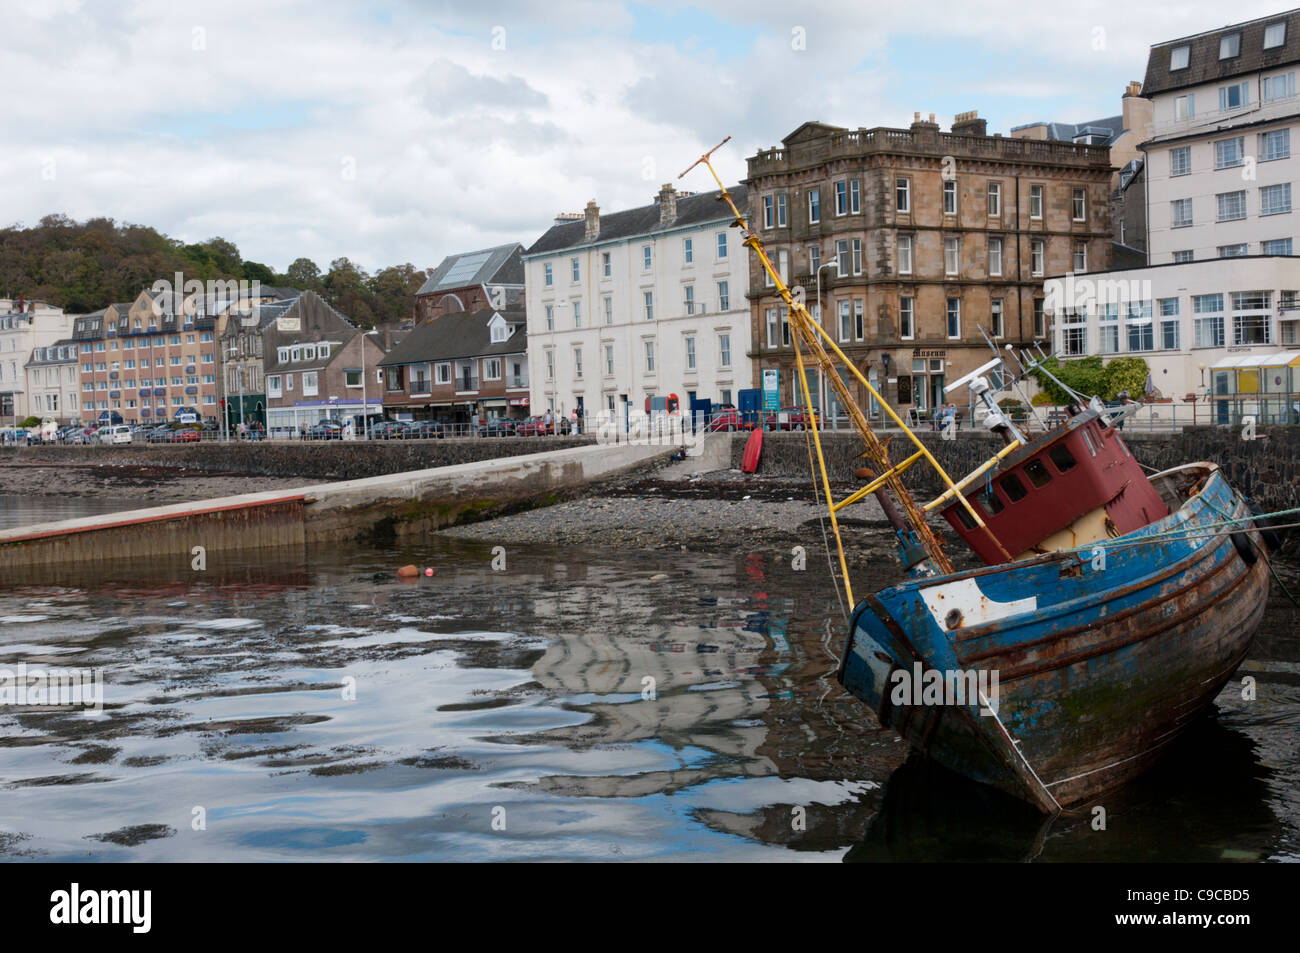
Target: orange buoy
407, 571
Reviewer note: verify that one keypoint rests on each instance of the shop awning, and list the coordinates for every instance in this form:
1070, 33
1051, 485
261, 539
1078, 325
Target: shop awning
1279, 359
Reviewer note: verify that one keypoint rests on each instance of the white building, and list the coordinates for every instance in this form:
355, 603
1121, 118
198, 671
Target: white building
54, 382
1191, 323
642, 303
22, 329
1220, 164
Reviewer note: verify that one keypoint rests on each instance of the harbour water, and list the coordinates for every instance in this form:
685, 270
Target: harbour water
575, 704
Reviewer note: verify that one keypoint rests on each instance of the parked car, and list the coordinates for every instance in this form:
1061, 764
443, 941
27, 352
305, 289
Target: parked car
187, 434
726, 418
424, 430
160, 434
119, 433
388, 430
326, 430
495, 427
796, 418
534, 427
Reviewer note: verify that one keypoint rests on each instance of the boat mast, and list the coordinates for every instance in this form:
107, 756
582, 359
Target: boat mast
920, 548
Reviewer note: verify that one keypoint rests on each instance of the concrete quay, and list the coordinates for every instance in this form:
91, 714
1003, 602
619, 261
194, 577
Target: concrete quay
390, 506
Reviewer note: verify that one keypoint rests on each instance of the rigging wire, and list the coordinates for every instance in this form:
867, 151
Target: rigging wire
821, 519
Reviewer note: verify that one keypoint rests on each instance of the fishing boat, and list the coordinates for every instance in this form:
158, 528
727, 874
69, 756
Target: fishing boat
1112, 607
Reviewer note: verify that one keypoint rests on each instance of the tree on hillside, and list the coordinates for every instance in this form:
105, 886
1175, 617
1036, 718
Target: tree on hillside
256, 271
304, 274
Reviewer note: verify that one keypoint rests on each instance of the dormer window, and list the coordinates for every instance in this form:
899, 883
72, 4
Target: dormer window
499, 333
309, 353
282, 355
1229, 46
323, 351
295, 354
1178, 57
1274, 35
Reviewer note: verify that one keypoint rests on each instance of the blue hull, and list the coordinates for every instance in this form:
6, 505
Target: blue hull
1090, 666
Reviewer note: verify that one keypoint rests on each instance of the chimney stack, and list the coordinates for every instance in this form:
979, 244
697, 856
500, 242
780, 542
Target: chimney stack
969, 124
918, 123
1134, 89
592, 214
667, 204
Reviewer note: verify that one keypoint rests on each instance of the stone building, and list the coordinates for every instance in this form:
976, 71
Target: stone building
318, 366
935, 236
240, 322
1124, 135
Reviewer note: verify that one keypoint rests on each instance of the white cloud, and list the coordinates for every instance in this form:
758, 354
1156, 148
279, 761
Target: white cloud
248, 120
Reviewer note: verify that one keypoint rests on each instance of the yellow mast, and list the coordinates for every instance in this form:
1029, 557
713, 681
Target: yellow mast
810, 335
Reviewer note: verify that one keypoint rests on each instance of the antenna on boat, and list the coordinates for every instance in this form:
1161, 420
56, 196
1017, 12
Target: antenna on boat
1014, 379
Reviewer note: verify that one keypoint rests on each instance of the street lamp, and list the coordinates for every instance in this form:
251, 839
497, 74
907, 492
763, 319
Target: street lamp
365, 403
834, 263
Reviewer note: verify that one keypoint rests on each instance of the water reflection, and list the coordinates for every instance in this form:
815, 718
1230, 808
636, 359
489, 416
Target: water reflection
597, 705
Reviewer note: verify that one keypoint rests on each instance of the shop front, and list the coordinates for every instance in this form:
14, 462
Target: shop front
1262, 386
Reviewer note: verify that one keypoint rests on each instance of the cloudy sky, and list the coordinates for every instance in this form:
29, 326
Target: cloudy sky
403, 131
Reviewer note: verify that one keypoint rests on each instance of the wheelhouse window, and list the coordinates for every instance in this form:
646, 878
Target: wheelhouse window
1061, 458
1037, 473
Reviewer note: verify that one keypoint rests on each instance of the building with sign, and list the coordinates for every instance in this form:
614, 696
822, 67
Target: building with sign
239, 332
924, 241
460, 367
1189, 322
318, 365
638, 304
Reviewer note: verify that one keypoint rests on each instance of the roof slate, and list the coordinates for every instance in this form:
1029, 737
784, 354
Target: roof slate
691, 210
455, 336
1204, 65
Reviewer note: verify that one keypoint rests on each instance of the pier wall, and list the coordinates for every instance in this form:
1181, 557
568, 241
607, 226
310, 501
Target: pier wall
312, 460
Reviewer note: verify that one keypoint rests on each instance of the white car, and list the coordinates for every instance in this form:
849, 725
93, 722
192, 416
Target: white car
115, 434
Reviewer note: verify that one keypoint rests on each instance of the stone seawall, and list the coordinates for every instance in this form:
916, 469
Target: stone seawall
1267, 470
323, 460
